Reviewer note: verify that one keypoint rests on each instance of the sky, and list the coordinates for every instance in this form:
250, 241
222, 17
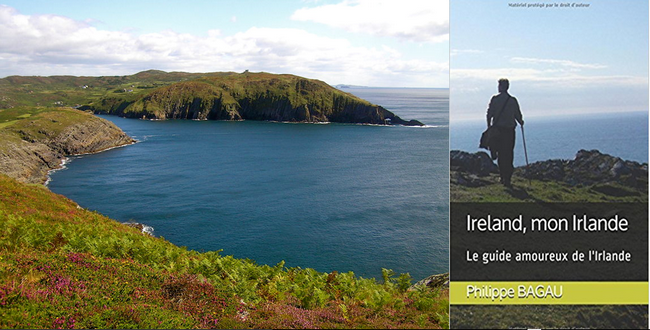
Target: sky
378, 43
559, 60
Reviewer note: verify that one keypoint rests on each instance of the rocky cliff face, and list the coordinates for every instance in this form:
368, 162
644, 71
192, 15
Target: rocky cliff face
32, 147
28, 161
93, 135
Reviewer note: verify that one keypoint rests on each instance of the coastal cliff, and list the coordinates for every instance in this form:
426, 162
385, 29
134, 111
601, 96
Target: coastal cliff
250, 96
36, 140
200, 96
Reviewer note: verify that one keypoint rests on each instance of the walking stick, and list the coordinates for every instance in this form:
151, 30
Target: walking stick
523, 138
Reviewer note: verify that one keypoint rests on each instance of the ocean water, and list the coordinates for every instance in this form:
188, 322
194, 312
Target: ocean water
324, 196
623, 135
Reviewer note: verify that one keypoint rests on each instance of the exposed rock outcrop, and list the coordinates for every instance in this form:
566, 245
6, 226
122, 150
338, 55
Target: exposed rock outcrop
471, 169
28, 161
603, 173
433, 282
588, 168
478, 163
35, 146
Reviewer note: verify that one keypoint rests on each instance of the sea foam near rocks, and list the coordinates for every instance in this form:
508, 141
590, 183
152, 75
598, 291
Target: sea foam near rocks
143, 228
62, 166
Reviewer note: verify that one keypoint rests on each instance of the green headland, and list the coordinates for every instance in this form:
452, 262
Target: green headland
200, 96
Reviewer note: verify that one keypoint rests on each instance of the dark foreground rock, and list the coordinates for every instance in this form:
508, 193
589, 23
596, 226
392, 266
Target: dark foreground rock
478, 163
588, 168
471, 170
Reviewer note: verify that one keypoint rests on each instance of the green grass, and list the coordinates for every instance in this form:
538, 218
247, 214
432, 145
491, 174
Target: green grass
7, 123
63, 266
71, 91
38, 123
15, 114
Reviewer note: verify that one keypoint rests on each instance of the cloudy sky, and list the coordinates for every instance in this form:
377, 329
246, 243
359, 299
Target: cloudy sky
560, 60
385, 43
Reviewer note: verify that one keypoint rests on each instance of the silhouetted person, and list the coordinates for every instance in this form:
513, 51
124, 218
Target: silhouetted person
503, 113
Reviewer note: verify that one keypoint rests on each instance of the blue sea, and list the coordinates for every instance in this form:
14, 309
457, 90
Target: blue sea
623, 135
325, 196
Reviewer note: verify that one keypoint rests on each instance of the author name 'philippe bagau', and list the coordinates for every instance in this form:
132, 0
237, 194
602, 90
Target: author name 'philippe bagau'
578, 223
510, 292
549, 293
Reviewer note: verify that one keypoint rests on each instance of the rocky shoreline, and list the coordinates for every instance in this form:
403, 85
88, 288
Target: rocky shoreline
35, 147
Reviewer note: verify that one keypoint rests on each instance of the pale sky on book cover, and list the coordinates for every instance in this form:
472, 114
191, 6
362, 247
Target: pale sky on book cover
387, 43
561, 58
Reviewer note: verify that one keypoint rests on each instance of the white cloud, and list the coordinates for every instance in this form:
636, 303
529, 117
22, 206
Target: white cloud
412, 20
549, 78
50, 44
555, 62
547, 92
456, 52
542, 72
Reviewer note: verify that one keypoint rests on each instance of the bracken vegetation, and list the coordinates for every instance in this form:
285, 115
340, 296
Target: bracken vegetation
62, 266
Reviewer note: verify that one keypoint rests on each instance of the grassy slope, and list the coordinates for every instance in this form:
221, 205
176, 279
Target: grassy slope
37, 122
10, 117
71, 90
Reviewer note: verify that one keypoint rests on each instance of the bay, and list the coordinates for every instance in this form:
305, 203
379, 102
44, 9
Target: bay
324, 196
